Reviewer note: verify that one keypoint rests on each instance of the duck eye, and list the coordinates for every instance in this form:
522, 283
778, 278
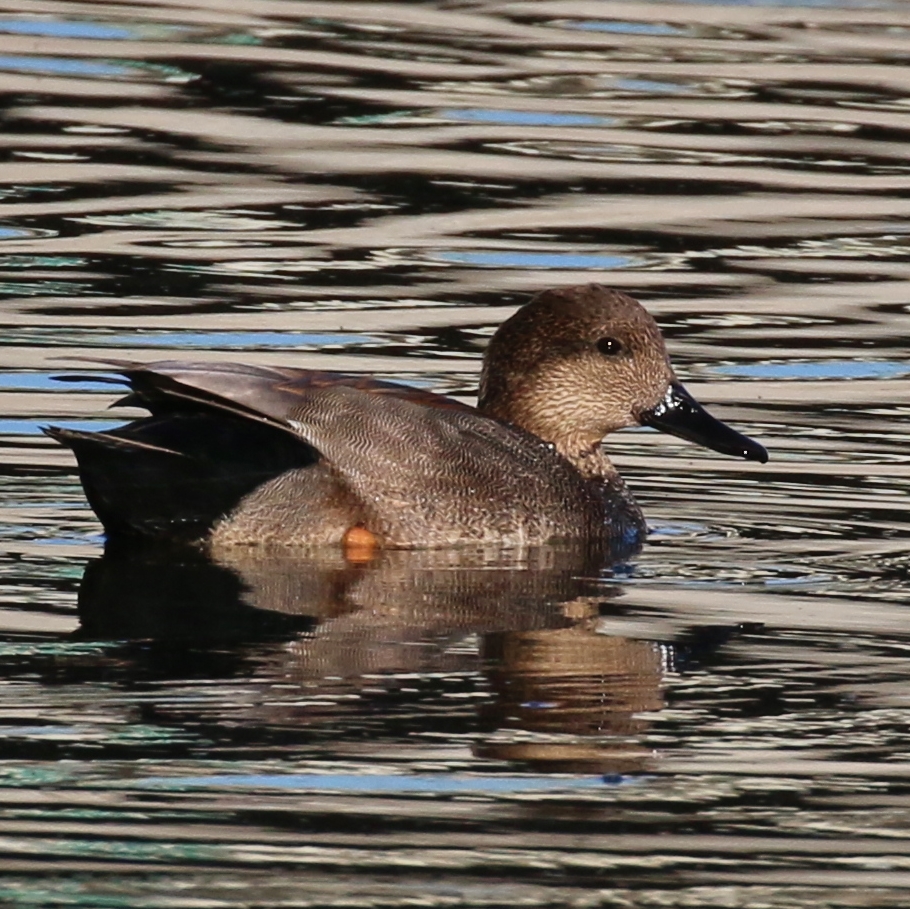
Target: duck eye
609, 347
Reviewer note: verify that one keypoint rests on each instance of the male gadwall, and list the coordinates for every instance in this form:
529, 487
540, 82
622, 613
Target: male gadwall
238, 454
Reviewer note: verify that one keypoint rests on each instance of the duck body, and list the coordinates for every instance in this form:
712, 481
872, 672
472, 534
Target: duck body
237, 455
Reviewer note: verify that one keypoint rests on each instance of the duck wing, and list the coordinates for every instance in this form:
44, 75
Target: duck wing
255, 392
176, 473
423, 470
215, 433
438, 476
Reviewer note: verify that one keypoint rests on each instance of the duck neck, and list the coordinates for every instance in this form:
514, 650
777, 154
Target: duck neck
590, 461
586, 455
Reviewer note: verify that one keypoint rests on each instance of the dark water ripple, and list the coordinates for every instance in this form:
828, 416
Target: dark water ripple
718, 721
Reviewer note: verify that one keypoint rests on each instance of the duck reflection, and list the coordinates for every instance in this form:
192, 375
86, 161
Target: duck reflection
580, 693
563, 696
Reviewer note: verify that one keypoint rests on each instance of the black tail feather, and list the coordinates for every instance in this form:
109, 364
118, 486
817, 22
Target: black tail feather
175, 476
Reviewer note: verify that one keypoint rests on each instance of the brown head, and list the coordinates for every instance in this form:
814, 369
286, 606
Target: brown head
577, 363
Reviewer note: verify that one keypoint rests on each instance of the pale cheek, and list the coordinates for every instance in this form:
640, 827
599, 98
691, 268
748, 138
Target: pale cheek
594, 416
615, 405
582, 399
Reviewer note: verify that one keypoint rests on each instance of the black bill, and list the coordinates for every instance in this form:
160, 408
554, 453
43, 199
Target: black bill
681, 415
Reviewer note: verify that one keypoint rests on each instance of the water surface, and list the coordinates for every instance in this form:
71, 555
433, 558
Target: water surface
720, 720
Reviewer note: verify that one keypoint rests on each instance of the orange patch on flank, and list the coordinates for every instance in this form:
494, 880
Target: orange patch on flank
360, 544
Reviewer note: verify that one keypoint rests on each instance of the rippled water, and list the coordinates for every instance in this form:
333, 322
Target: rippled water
718, 721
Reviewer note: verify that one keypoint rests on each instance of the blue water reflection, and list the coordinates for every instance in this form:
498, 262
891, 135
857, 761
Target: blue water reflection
33, 427
825, 369
56, 28
385, 783
524, 117
626, 28
62, 67
249, 340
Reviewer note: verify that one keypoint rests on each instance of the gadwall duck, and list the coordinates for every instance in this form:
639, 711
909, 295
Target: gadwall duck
235, 454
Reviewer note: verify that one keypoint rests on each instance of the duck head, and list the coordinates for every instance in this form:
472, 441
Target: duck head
577, 363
